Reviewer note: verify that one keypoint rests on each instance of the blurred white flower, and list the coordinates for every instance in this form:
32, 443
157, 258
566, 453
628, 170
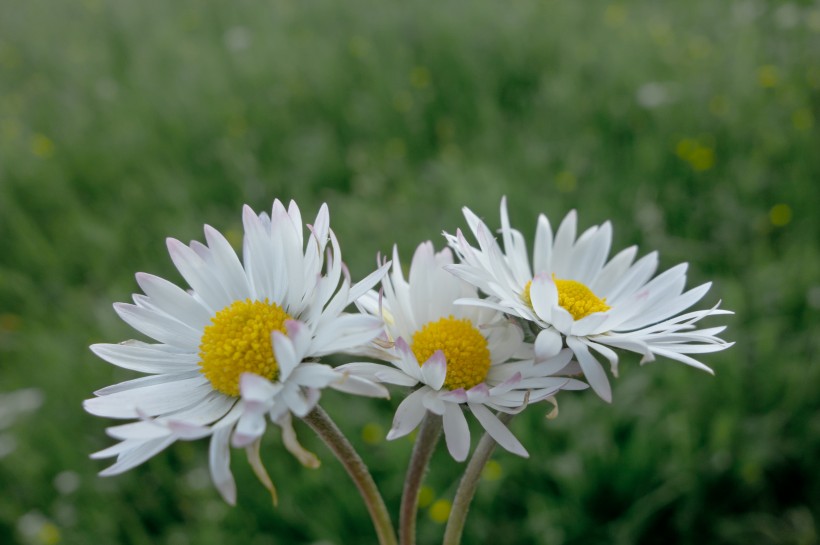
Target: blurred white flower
13, 405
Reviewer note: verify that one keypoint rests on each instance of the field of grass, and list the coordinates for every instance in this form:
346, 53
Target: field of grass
693, 126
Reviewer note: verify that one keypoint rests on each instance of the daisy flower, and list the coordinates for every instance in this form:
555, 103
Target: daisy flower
235, 347
458, 357
575, 296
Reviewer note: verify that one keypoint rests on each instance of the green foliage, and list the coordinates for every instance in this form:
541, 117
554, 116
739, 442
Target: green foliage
693, 126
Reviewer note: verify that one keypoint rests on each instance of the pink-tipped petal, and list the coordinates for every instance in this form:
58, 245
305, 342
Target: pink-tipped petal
434, 370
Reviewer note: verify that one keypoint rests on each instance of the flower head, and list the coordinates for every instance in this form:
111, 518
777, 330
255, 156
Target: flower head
457, 357
577, 297
233, 350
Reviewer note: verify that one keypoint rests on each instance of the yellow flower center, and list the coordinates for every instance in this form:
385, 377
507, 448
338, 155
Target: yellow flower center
468, 358
238, 340
574, 296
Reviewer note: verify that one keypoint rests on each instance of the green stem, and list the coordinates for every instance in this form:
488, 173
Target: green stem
325, 428
467, 486
426, 441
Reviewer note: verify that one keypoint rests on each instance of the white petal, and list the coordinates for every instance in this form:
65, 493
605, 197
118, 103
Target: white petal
478, 393
593, 372
593, 323
116, 449
250, 427
454, 396
562, 247
296, 400
608, 353
562, 320
506, 386
266, 279
547, 344
514, 247
612, 272
685, 359
591, 255
227, 266
315, 375
407, 361
368, 282
408, 414
345, 333
433, 403
296, 218
377, 372
360, 386
498, 431
145, 358
159, 326
456, 432
434, 370
174, 301
553, 365
634, 278
220, 464
146, 381
255, 388
141, 430
199, 276
286, 357
504, 339
542, 249
544, 296
138, 455
150, 400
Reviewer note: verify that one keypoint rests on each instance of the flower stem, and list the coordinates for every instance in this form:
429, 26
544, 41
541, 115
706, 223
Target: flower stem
325, 428
426, 441
467, 486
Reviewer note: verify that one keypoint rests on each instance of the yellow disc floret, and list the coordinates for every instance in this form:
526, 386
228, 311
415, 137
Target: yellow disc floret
238, 340
574, 296
464, 347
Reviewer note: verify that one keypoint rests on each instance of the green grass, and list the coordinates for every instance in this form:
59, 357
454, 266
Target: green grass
692, 126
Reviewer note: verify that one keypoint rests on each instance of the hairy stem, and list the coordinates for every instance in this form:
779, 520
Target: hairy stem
467, 486
426, 441
325, 428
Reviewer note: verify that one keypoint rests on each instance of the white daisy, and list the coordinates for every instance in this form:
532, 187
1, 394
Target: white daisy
460, 355
574, 295
244, 327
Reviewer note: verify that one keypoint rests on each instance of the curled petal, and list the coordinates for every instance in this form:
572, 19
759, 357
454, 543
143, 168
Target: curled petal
259, 470
305, 457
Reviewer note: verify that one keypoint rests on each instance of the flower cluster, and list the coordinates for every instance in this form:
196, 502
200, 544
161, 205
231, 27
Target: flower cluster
486, 334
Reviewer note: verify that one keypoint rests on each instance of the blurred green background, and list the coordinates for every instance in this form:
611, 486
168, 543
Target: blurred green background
693, 126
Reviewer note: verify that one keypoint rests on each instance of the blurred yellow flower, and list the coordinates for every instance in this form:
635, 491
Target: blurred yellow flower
566, 181
426, 496
699, 154
492, 471
780, 215
768, 76
42, 146
372, 433
420, 77
615, 14
802, 119
440, 511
